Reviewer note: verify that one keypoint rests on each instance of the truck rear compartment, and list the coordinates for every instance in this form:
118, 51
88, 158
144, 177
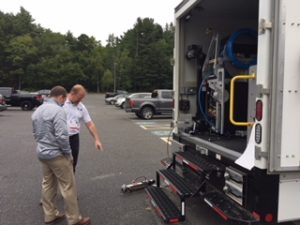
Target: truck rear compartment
206, 69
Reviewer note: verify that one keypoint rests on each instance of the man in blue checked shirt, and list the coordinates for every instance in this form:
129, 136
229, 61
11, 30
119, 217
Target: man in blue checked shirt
50, 131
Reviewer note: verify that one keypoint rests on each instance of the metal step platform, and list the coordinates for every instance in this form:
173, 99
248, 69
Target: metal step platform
228, 209
175, 183
163, 205
166, 162
196, 163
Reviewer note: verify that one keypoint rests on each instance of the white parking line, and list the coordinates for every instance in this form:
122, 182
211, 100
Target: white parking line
165, 139
161, 133
144, 122
158, 128
155, 127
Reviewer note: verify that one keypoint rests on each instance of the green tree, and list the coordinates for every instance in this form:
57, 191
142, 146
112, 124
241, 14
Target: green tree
21, 52
148, 48
36, 58
107, 81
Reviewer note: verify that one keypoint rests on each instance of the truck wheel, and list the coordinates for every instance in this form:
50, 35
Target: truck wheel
26, 105
122, 105
138, 115
147, 113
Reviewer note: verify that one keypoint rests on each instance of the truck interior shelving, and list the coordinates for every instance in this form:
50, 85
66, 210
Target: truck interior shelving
207, 32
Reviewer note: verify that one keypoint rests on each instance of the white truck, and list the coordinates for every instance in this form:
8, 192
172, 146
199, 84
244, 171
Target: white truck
236, 140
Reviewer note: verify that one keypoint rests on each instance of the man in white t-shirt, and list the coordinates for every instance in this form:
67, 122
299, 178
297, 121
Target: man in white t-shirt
76, 114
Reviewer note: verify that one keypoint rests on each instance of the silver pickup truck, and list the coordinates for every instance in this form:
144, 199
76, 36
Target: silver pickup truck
160, 103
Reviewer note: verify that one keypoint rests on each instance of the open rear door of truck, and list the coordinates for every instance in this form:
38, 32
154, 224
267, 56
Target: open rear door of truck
284, 155
285, 99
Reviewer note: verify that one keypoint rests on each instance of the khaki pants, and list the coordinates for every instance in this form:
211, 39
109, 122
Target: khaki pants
59, 172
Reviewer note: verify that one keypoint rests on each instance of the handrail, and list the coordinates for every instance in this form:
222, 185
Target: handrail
231, 103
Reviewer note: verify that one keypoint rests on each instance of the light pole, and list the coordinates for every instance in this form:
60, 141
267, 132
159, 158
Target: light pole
97, 83
137, 43
115, 76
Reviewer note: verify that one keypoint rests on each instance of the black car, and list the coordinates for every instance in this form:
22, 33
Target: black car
24, 99
115, 93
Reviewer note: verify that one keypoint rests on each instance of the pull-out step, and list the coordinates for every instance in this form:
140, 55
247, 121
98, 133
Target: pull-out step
166, 162
197, 163
163, 205
228, 209
176, 183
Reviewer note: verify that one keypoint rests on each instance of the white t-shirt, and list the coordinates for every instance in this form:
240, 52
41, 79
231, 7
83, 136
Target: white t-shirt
75, 115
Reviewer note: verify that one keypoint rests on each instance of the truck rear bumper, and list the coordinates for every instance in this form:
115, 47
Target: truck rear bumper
130, 110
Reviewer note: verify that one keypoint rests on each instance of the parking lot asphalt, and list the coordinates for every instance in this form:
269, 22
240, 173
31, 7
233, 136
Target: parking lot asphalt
133, 148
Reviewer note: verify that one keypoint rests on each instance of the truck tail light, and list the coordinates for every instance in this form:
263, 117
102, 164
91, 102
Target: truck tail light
259, 110
172, 221
131, 103
39, 98
256, 216
269, 218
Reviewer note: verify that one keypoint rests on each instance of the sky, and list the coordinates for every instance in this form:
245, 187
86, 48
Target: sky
97, 18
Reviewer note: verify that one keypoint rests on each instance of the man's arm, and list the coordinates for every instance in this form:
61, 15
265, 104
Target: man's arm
61, 132
94, 132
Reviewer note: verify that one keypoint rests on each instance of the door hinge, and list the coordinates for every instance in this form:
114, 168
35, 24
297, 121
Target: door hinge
260, 154
260, 91
264, 25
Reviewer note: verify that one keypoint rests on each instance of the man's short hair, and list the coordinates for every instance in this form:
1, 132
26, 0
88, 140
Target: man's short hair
58, 91
77, 88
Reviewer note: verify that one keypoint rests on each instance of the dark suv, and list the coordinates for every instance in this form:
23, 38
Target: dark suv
26, 100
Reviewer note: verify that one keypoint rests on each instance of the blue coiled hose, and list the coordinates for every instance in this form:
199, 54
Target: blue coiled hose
229, 48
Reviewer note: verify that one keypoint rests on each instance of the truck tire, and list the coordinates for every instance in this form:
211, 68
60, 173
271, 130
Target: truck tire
138, 115
147, 112
26, 105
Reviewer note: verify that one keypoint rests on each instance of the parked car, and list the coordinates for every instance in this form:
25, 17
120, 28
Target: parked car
24, 99
120, 102
133, 96
159, 103
45, 93
115, 93
112, 100
2, 103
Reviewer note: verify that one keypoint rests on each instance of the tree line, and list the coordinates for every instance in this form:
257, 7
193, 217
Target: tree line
33, 58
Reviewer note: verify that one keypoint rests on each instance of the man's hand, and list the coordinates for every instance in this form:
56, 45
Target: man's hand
93, 130
98, 145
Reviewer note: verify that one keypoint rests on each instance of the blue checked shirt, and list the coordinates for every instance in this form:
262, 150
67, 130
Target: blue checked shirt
49, 122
